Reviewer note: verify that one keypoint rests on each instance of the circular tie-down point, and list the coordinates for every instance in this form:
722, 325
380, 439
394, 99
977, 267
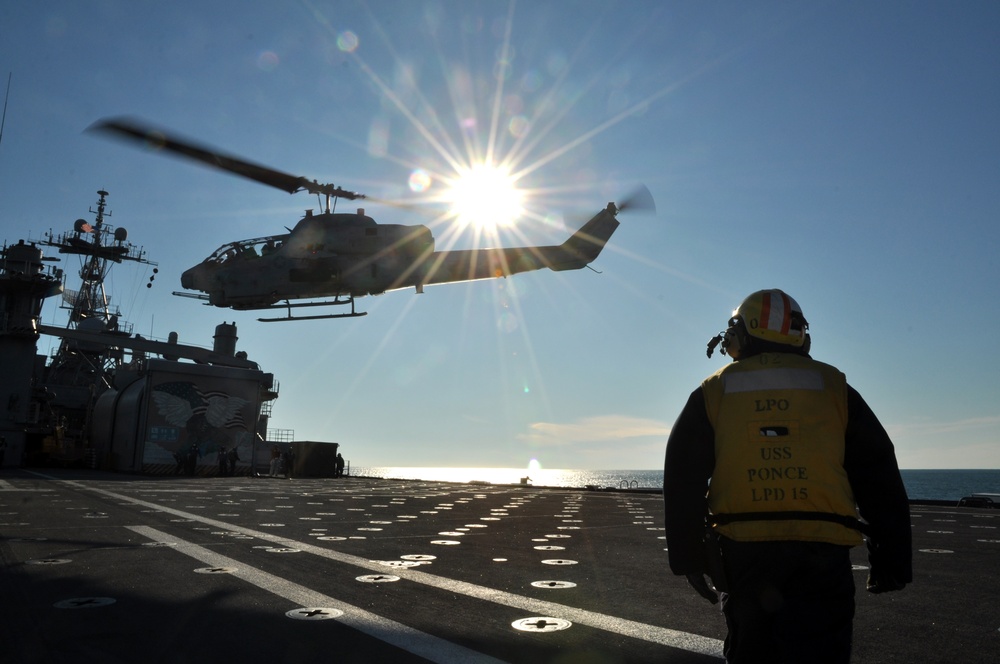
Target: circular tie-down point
541, 624
559, 561
549, 547
84, 603
377, 578
418, 557
331, 538
398, 563
445, 542
215, 570
48, 561
936, 551
282, 549
553, 584
314, 613
159, 543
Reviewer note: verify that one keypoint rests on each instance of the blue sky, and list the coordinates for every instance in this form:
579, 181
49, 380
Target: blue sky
846, 152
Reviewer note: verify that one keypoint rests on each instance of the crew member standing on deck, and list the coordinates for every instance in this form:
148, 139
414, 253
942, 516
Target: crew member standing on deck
275, 461
767, 468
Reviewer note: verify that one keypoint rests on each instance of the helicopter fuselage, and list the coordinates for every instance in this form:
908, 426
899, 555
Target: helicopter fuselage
331, 254
350, 255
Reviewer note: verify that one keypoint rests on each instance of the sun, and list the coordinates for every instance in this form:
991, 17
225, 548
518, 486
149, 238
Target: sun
485, 196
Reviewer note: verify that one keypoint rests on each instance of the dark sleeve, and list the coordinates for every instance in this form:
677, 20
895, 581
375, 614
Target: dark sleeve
870, 462
690, 460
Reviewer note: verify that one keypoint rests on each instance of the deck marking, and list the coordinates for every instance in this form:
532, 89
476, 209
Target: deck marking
412, 640
84, 603
662, 635
7, 486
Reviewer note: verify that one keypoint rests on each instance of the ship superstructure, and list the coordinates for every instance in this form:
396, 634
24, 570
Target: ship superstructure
108, 397
79, 372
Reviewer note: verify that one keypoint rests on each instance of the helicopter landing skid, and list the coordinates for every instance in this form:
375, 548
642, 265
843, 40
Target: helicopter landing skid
289, 306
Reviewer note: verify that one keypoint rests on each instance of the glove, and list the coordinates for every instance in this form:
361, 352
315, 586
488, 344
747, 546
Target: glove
880, 580
701, 585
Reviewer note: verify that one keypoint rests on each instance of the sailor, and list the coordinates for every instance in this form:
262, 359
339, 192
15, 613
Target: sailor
191, 462
275, 461
767, 467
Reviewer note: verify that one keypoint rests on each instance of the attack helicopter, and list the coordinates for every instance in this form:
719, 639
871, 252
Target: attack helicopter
331, 258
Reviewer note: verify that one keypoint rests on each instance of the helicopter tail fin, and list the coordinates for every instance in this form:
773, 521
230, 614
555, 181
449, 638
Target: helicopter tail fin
585, 245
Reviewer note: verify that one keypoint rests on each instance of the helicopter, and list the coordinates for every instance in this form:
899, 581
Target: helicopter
331, 258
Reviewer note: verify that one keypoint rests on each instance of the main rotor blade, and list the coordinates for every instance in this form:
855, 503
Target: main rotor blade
156, 139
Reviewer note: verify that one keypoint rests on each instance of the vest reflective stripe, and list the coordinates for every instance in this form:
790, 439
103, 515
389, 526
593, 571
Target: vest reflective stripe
779, 422
774, 379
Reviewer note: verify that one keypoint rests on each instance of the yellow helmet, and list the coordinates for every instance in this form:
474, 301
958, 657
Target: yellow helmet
772, 315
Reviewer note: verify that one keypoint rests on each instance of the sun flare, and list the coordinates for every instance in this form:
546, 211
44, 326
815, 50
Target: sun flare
485, 196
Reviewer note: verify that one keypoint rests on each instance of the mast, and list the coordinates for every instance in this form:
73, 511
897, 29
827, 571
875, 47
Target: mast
100, 246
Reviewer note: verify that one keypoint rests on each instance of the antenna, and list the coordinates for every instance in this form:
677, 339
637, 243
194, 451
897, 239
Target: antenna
3, 121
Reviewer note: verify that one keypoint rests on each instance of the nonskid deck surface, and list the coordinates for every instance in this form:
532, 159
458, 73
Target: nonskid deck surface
105, 567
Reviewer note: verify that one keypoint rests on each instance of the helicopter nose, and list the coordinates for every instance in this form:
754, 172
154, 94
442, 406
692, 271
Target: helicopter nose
187, 279
194, 278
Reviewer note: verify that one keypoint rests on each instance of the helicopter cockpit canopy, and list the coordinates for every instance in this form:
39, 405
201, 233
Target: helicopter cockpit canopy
244, 249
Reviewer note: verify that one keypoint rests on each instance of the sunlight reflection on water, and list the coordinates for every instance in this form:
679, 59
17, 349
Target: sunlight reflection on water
920, 484
635, 479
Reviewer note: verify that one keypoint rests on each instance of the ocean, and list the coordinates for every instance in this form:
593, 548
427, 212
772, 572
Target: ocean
920, 484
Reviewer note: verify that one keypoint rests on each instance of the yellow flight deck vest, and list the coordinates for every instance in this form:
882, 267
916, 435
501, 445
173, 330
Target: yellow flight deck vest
779, 423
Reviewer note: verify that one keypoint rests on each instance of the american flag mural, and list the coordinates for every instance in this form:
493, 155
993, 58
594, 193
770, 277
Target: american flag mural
177, 402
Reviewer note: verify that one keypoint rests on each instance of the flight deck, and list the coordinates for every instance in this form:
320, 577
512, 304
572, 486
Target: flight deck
105, 567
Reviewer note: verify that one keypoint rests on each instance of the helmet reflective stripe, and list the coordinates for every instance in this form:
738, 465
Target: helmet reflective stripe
772, 315
776, 312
